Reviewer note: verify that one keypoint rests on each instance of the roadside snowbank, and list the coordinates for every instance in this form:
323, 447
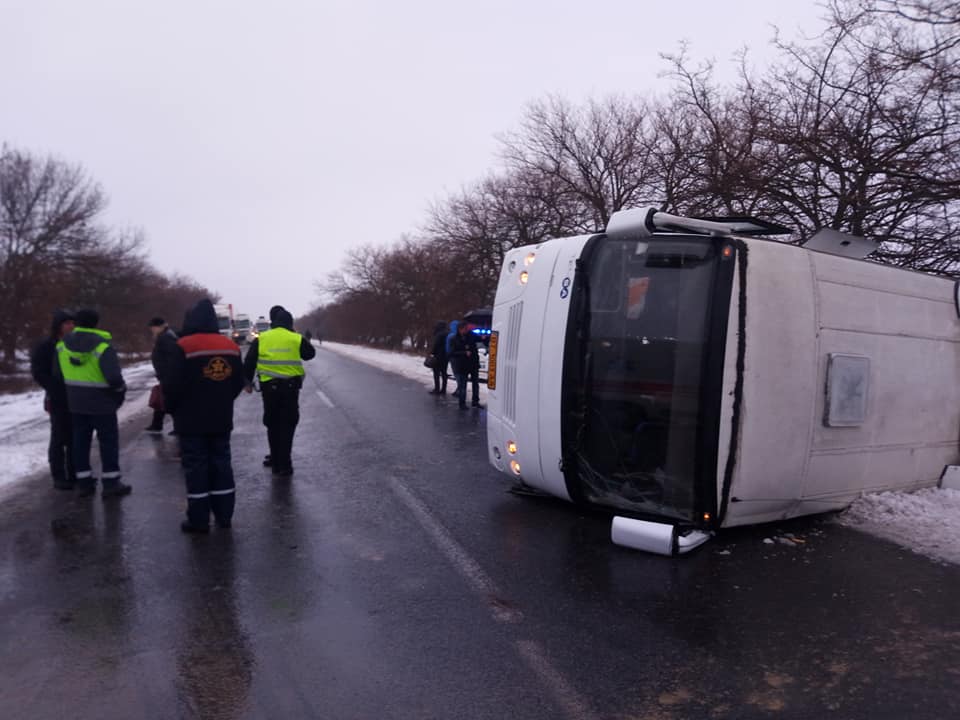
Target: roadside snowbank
409, 366
926, 521
25, 428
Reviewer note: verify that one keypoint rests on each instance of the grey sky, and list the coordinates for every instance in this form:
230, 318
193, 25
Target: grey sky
256, 142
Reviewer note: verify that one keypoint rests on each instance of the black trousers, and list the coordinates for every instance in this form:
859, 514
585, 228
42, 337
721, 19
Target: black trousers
440, 376
108, 436
474, 377
281, 413
60, 453
208, 470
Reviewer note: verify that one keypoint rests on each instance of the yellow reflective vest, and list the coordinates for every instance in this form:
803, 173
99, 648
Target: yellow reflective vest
82, 369
278, 355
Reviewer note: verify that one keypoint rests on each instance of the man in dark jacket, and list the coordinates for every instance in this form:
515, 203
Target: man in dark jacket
42, 360
90, 368
200, 383
463, 360
276, 357
164, 348
439, 352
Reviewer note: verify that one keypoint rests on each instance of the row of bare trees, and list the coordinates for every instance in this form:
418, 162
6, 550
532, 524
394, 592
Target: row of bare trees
55, 252
856, 130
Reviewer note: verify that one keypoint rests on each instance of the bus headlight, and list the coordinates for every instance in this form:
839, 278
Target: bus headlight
528, 260
515, 466
512, 447
524, 276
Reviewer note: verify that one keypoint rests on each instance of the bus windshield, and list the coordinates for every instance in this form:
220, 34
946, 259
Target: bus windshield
644, 350
223, 322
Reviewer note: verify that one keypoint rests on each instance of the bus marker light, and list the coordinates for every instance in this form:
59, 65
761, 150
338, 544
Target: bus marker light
515, 466
492, 360
728, 251
524, 276
512, 447
528, 260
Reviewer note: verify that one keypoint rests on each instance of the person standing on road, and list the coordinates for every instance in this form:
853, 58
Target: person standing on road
43, 357
90, 369
276, 358
473, 372
200, 382
439, 352
462, 357
164, 347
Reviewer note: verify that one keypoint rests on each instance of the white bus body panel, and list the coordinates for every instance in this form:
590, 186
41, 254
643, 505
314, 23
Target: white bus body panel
802, 307
531, 322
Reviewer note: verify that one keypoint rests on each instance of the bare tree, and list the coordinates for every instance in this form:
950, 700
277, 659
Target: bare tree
594, 156
48, 211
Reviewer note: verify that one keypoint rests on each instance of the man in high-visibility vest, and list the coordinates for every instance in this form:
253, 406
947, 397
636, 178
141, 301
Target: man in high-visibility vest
90, 369
276, 358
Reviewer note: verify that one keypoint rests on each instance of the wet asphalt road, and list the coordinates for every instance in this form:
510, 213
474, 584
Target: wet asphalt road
394, 577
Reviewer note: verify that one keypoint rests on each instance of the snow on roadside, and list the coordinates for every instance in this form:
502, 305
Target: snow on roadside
926, 521
409, 366
25, 427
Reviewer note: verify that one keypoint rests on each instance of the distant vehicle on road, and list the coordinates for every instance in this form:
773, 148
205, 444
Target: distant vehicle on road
224, 319
261, 325
241, 328
688, 379
479, 322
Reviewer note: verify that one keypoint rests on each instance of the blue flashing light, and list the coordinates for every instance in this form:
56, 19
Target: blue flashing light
482, 331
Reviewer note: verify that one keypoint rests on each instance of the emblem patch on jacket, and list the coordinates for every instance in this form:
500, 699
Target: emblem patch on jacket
217, 369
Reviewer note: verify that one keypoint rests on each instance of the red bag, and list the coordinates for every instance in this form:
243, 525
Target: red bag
156, 398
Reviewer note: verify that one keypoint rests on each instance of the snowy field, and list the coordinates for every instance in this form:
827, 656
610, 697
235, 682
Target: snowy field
25, 427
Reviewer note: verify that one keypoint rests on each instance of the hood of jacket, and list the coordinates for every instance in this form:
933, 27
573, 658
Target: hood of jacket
201, 318
280, 317
85, 339
451, 335
59, 318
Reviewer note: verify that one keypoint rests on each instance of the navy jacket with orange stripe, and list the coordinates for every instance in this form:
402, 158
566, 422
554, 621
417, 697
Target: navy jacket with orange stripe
203, 377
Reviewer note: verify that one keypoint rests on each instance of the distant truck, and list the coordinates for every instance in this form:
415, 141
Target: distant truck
241, 329
224, 318
261, 325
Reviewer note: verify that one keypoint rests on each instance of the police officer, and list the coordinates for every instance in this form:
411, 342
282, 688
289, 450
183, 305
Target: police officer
90, 369
200, 382
276, 357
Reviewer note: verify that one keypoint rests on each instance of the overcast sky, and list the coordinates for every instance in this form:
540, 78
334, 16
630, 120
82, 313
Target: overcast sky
254, 142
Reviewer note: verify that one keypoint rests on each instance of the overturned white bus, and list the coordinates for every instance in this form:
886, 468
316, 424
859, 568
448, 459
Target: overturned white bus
687, 376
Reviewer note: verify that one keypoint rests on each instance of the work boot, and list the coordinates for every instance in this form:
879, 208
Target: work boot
112, 487
186, 527
63, 484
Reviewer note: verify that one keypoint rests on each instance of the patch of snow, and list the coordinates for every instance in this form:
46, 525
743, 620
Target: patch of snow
409, 366
926, 521
25, 426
